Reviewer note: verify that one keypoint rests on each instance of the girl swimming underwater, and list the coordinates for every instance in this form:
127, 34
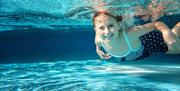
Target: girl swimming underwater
132, 44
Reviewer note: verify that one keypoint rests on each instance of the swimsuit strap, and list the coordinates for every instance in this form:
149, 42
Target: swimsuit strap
128, 42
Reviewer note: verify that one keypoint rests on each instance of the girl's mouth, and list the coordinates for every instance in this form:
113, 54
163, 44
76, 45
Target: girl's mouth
108, 37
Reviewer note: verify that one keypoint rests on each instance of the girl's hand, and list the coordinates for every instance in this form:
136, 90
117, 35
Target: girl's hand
103, 55
169, 37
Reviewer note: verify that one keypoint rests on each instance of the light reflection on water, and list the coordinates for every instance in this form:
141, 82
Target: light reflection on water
88, 75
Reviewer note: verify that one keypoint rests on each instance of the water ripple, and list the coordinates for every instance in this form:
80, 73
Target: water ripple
88, 75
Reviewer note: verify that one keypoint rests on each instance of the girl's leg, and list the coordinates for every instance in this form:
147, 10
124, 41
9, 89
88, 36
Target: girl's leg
176, 30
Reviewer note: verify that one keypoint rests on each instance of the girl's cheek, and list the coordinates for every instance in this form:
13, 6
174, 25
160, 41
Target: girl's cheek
101, 32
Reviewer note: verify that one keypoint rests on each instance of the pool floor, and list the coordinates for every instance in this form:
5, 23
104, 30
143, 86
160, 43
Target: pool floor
89, 75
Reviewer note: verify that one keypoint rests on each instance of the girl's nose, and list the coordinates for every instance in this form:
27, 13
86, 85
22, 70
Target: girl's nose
106, 32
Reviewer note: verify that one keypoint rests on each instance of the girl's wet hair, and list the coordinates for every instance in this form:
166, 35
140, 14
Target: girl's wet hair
118, 17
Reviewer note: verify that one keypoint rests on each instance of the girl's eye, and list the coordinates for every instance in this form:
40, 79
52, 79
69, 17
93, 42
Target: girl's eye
101, 28
110, 26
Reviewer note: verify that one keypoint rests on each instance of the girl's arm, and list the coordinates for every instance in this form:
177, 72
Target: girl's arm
143, 29
168, 36
176, 30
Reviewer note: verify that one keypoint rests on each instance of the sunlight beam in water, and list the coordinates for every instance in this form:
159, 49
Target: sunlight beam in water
135, 69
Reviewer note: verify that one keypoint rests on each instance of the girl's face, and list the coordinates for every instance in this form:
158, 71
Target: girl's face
106, 27
154, 1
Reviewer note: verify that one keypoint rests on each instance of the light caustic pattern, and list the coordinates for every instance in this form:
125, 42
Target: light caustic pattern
88, 75
20, 14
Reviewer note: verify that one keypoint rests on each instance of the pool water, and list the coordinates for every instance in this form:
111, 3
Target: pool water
48, 45
89, 75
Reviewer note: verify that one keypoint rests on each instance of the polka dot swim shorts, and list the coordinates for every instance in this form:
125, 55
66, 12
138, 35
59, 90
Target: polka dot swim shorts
153, 42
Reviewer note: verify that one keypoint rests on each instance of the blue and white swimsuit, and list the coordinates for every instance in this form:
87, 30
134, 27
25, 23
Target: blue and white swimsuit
151, 43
